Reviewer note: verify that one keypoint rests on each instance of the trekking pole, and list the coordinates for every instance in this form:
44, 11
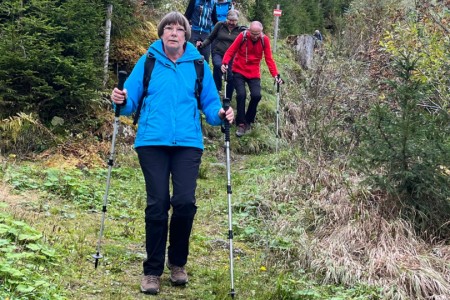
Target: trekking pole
97, 256
225, 82
226, 105
225, 101
278, 113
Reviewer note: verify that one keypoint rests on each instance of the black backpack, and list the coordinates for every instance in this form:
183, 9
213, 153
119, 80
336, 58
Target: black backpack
148, 69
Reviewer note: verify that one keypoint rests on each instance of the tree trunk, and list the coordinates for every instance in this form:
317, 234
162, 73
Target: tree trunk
107, 40
304, 47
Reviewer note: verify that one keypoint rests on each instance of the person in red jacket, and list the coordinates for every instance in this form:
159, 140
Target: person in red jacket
248, 50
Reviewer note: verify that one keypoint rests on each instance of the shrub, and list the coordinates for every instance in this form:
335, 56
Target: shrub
404, 151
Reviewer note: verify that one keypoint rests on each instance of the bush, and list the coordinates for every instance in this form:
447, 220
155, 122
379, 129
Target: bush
404, 151
24, 134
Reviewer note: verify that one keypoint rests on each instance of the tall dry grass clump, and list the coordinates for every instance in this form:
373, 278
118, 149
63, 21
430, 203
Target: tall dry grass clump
351, 236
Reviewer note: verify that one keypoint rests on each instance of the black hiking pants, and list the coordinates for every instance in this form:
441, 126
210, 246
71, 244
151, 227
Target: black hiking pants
201, 36
159, 165
217, 74
254, 85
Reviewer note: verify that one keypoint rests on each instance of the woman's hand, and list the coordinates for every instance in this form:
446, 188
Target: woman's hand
118, 96
229, 114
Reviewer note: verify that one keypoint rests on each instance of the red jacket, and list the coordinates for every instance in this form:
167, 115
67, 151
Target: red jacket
248, 56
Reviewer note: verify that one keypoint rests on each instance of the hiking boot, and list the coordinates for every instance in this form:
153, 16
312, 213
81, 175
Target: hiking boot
178, 275
150, 284
241, 130
248, 128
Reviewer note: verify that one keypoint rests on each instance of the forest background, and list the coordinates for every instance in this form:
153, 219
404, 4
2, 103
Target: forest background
351, 201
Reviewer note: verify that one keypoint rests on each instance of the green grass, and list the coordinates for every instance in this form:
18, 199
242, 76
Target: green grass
65, 209
64, 206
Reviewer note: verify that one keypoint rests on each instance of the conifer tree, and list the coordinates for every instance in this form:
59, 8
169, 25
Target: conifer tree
404, 151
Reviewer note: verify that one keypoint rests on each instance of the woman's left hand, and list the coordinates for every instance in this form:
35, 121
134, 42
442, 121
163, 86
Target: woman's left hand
229, 114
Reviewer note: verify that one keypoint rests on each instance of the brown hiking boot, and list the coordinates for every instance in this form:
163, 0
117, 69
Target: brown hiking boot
150, 284
178, 275
241, 130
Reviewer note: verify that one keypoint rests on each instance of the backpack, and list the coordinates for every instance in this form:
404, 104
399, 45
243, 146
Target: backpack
148, 69
245, 38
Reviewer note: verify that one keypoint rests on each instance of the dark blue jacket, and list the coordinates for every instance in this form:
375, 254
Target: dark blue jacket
199, 14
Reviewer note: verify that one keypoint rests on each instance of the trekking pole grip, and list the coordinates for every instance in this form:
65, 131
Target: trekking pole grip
226, 106
122, 78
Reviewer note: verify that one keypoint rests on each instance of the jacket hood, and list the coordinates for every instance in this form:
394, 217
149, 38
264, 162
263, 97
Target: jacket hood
190, 52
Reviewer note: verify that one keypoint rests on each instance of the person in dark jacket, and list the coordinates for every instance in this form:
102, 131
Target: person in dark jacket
317, 35
248, 50
223, 35
318, 39
199, 14
169, 144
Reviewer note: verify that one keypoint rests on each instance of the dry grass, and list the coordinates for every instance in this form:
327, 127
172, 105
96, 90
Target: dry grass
351, 237
76, 153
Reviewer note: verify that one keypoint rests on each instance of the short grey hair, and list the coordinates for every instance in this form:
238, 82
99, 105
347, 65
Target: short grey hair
233, 15
175, 17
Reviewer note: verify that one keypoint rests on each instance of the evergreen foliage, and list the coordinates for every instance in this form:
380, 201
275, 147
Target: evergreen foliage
405, 152
261, 12
300, 16
50, 57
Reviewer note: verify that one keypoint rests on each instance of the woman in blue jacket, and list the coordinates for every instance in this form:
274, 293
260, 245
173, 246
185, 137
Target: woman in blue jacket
169, 144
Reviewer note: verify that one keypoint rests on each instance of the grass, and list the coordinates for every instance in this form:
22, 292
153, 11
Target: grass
64, 206
304, 226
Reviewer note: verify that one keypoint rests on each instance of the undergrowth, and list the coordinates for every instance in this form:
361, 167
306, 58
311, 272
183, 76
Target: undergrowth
25, 262
70, 224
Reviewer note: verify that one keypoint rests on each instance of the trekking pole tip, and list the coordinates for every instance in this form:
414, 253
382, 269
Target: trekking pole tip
97, 256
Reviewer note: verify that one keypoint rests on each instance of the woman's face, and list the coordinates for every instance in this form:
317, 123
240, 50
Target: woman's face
174, 37
231, 23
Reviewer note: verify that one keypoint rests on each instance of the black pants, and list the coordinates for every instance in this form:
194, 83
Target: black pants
160, 164
217, 74
201, 36
254, 86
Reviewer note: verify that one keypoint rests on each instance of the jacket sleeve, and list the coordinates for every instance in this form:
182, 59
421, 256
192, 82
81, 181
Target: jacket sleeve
213, 35
134, 86
269, 58
190, 10
233, 49
210, 100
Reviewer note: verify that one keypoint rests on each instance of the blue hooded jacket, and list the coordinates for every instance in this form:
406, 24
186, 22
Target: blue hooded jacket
170, 114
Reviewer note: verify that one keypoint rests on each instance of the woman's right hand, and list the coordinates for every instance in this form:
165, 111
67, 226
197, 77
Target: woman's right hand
119, 96
224, 68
